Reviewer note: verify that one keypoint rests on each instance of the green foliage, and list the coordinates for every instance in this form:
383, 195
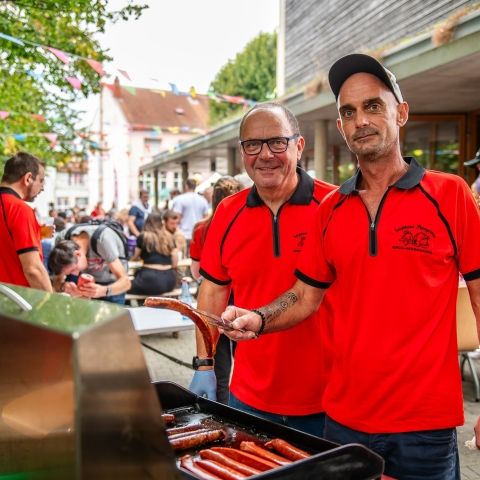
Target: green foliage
32, 81
251, 75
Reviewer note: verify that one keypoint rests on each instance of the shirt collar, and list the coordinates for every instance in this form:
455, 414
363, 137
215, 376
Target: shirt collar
10, 191
302, 195
410, 179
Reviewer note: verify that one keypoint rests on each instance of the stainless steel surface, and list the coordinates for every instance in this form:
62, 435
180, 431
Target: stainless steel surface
15, 297
75, 396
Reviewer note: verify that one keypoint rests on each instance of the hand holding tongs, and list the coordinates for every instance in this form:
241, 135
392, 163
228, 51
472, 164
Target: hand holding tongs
218, 322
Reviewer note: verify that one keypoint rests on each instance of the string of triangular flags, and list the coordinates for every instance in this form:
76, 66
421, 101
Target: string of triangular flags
6, 113
21, 137
75, 82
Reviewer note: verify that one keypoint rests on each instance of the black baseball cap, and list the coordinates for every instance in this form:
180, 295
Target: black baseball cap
359, 63
473, 161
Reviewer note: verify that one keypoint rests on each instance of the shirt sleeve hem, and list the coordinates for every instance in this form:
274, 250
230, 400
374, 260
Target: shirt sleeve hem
310, 281
26, 250
473, 275
204, 274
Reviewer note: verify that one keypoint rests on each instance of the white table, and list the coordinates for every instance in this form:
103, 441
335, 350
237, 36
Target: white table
148, 321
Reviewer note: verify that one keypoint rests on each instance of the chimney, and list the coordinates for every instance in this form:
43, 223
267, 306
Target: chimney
117, 91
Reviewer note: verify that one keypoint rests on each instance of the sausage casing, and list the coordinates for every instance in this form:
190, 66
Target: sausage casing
222, 471
186, 462
196, 439
286, 449
247, 458
228, 461
253, 448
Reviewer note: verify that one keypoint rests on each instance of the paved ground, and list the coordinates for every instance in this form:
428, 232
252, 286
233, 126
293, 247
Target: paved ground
183, 347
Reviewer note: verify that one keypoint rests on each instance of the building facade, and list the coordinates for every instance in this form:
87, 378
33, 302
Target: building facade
433, 48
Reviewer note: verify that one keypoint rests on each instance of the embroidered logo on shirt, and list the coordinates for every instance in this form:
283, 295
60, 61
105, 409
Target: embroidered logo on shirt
414, 237
300, 239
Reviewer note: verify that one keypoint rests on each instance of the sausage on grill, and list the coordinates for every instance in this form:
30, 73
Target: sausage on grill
253, 448
222, 471
186, 462
246, 458
197, 318
196, 439
168, 417
186, 428
229, 462
286, 449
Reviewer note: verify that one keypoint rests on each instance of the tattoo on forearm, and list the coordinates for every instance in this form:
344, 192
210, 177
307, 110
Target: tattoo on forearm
280, 305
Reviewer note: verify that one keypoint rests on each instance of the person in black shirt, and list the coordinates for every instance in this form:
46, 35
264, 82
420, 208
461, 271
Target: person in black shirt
156, 247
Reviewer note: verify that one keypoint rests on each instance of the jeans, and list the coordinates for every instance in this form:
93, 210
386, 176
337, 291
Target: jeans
422, 455
312, 424
119, 299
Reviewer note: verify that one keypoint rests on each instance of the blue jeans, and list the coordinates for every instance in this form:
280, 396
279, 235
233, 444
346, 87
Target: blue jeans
119, 299
312, 424
423, 455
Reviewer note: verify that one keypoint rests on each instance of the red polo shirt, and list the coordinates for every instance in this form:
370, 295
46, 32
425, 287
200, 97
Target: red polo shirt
198, 239
396, 363
255, 252
20, 233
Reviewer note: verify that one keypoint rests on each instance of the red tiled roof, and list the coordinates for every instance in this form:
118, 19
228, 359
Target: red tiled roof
151, 108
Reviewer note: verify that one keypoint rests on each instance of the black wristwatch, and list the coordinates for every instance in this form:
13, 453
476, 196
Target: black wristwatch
201, 362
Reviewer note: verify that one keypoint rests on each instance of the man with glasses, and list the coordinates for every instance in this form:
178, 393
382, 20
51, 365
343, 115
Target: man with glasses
251, 248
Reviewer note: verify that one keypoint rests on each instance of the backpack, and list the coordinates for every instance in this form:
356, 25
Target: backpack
102, 225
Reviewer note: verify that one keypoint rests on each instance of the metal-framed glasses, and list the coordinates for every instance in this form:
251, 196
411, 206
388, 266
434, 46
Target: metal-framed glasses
275, 144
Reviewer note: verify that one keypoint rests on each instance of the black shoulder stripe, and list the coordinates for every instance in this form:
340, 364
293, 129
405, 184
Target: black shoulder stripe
310, 281
337, 205
28, 249
228, 229
471, 275
193, 258
442, 218
204, 274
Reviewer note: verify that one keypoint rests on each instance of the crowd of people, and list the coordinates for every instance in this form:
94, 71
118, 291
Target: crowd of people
342, 299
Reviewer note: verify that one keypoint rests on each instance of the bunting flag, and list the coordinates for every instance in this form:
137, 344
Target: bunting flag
52, 138
12, 39
174, 88
131, 90
20, 137
125, 74
160, 92
61, 55
38, 117
74, 82
97, 66
4, 114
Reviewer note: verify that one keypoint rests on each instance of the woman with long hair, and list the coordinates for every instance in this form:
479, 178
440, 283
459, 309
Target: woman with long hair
156, 247
224, 187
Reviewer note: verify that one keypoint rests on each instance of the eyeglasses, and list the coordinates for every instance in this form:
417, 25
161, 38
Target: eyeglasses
276, 144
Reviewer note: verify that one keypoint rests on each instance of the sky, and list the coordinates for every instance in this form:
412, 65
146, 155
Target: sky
185, 42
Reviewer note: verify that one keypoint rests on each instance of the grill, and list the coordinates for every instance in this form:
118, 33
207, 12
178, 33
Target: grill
329, 460
76, 402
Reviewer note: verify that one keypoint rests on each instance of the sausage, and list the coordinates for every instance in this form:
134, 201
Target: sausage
197, 318
252, 447
168, 417
186, 462
222, 471
196, 439
286, 449
229, 462
186, 428
246, 458
187, 434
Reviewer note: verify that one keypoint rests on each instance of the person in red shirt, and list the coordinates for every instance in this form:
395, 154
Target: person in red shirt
21, 260
252, 246
389, 245
224, 187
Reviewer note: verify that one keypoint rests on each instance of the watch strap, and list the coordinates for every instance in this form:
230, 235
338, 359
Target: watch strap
201, 362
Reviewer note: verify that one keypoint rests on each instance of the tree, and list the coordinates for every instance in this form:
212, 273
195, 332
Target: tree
251, 75
33, 81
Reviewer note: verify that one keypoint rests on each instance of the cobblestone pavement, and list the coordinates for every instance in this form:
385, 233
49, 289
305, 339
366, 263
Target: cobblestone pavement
183, 348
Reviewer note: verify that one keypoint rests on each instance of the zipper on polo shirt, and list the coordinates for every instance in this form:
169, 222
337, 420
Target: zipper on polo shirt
372, 236
276, 232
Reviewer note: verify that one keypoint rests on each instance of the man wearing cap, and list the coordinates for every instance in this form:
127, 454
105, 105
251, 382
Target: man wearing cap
390, 243
475, 163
